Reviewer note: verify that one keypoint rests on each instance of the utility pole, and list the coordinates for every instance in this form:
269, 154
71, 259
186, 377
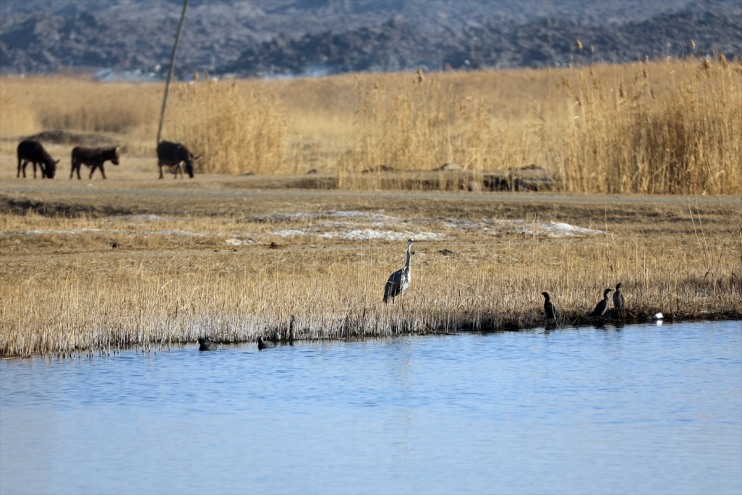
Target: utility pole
170, 71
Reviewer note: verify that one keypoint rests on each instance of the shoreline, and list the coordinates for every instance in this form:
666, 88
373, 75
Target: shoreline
511, 327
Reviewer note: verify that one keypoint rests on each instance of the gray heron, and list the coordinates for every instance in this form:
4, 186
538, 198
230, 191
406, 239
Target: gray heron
602, 306
399, 281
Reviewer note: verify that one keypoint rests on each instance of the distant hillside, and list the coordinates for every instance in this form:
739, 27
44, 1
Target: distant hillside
289, 37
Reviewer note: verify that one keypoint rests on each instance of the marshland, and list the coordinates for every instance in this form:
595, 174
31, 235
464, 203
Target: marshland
307, 190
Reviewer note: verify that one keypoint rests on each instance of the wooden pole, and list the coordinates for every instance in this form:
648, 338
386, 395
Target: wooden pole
170, 71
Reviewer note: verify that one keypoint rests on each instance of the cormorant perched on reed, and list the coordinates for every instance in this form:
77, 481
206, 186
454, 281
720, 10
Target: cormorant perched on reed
602, 306
399, 281
618, 298
549, 308
265, 344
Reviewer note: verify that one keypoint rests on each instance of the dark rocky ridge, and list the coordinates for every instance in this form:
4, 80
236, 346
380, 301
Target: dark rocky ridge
290, 37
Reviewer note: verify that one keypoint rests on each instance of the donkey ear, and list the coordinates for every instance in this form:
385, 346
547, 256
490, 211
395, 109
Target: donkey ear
117, 150
56, 161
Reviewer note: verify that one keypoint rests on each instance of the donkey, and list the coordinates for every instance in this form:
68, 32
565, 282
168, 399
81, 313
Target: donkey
93, 158
30, 150
174, 155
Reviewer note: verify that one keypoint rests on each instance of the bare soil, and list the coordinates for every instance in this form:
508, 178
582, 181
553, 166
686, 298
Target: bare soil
133, 188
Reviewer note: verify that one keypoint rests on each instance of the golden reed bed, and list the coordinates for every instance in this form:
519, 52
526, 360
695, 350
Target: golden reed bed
135, 262
660, 128
94, 266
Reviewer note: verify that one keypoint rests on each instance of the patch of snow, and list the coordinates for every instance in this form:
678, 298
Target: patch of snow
53, 232
99, 231
188, 233
495, 227
363, 234
140, 218
565, 229
289, 232
233, 241
352, 225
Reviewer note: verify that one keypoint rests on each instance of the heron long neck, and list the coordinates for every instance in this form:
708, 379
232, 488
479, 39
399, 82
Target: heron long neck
409, 259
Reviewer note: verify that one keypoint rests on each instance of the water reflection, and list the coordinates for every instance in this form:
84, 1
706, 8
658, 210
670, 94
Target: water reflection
639, 409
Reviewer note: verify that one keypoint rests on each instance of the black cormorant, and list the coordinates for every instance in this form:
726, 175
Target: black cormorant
265, 344
549, 308
205, 344
618, 298
602, 305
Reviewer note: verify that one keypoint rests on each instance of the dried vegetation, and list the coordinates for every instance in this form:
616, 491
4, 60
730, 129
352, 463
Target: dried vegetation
132, 261
668, 127
245, 262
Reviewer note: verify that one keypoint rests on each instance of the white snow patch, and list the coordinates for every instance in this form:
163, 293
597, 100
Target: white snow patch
234, 241
53, 232
140, 218
500, 227
100, 231
289, 232
356, 225
360, 234
188, 233
557, 229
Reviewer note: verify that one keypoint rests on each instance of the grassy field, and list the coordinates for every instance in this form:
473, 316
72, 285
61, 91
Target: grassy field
93, 266
132, 261
660, 128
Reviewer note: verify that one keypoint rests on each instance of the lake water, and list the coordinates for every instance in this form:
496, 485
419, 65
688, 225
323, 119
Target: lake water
640, 409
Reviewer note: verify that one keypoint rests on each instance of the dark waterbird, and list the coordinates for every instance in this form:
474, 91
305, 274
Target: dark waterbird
602, 306
205, 344
549, 308
618, 299
265, 344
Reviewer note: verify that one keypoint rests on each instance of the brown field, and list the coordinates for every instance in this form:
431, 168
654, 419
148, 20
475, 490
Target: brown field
660, 128
94, 266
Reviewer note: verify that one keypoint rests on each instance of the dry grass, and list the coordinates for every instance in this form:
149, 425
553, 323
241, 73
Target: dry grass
58, 103
92, 266
215, 260
236, 131
665, 127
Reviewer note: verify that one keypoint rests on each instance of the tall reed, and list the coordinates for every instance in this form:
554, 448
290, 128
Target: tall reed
415, 124
659, 128
236, 130
110, 301
654, 127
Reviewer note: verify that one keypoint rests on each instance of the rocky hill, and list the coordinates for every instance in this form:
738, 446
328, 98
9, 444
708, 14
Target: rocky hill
294, 37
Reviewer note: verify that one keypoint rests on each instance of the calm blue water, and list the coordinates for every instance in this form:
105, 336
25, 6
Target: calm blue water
644, 409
